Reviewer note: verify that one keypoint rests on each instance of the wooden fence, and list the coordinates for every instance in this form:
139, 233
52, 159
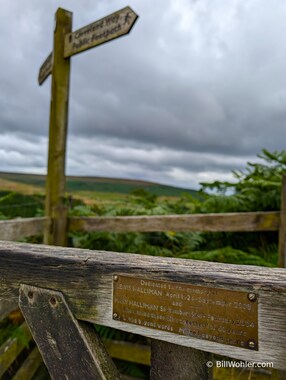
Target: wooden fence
65, 289
59, 290
15, 229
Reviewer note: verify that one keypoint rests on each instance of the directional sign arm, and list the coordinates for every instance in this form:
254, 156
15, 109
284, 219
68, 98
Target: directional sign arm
45, 69
106, 29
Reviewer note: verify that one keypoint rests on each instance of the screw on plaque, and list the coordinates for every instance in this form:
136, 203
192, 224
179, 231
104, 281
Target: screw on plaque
115, 278
252, 297
251, 344
115, 316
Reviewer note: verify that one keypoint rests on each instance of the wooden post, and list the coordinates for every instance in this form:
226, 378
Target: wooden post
56, 211
171, 361
67, 44
282, 245
282, 228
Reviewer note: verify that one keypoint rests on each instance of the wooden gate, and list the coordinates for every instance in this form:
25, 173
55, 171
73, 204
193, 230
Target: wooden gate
63, 291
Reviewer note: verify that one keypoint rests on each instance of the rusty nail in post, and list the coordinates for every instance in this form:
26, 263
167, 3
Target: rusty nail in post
252, 297
53, 301
115, 316
30, 294
115, 278
251, 344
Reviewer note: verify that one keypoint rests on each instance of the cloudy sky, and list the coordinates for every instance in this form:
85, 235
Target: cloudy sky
196, 89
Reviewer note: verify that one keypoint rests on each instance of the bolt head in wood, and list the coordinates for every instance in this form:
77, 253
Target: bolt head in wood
53, 301
30, 295
115, 316
115, 278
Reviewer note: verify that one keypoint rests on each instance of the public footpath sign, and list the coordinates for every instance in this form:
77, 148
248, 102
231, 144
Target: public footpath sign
66, 44
46, 69
108, 28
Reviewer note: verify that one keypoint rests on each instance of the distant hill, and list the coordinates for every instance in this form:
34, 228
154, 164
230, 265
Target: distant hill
98, 184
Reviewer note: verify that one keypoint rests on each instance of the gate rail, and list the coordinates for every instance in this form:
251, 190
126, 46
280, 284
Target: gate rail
65, 286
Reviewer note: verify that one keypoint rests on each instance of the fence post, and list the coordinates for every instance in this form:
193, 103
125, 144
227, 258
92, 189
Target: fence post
282, 243
56, 210
171, 361
282, 227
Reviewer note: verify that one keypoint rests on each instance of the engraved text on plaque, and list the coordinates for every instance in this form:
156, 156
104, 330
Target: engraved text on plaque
219, 315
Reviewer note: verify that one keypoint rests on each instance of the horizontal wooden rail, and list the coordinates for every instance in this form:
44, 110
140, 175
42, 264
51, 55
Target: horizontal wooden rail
136, 353
244, 221
30, 366
16, 229
12, 348
86, 279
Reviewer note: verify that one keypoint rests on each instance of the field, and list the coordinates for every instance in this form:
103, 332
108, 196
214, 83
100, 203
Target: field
101, 185
23, 195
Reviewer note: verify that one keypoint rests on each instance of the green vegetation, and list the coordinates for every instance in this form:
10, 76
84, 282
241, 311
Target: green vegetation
14, 205
98, 184
257, 188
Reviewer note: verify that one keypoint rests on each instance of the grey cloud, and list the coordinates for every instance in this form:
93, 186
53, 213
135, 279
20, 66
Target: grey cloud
150, 159
200, 82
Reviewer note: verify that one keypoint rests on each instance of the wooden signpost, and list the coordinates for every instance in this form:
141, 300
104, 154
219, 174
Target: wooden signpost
108, 28
46, 69
66, 44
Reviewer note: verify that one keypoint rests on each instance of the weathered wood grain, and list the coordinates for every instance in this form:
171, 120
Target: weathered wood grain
45, 69
170, 361
101, 31
86, 280
70, 349
16, 229
55, 209
252, 221
282, 228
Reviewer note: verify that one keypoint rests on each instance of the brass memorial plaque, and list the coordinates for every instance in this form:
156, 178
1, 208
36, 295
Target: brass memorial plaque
223, 316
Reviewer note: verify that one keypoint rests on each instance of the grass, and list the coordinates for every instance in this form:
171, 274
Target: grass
7, 185
114, 192
95, 184
102, 198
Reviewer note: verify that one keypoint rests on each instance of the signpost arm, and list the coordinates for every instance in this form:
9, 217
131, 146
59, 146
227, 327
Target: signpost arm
55, 209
